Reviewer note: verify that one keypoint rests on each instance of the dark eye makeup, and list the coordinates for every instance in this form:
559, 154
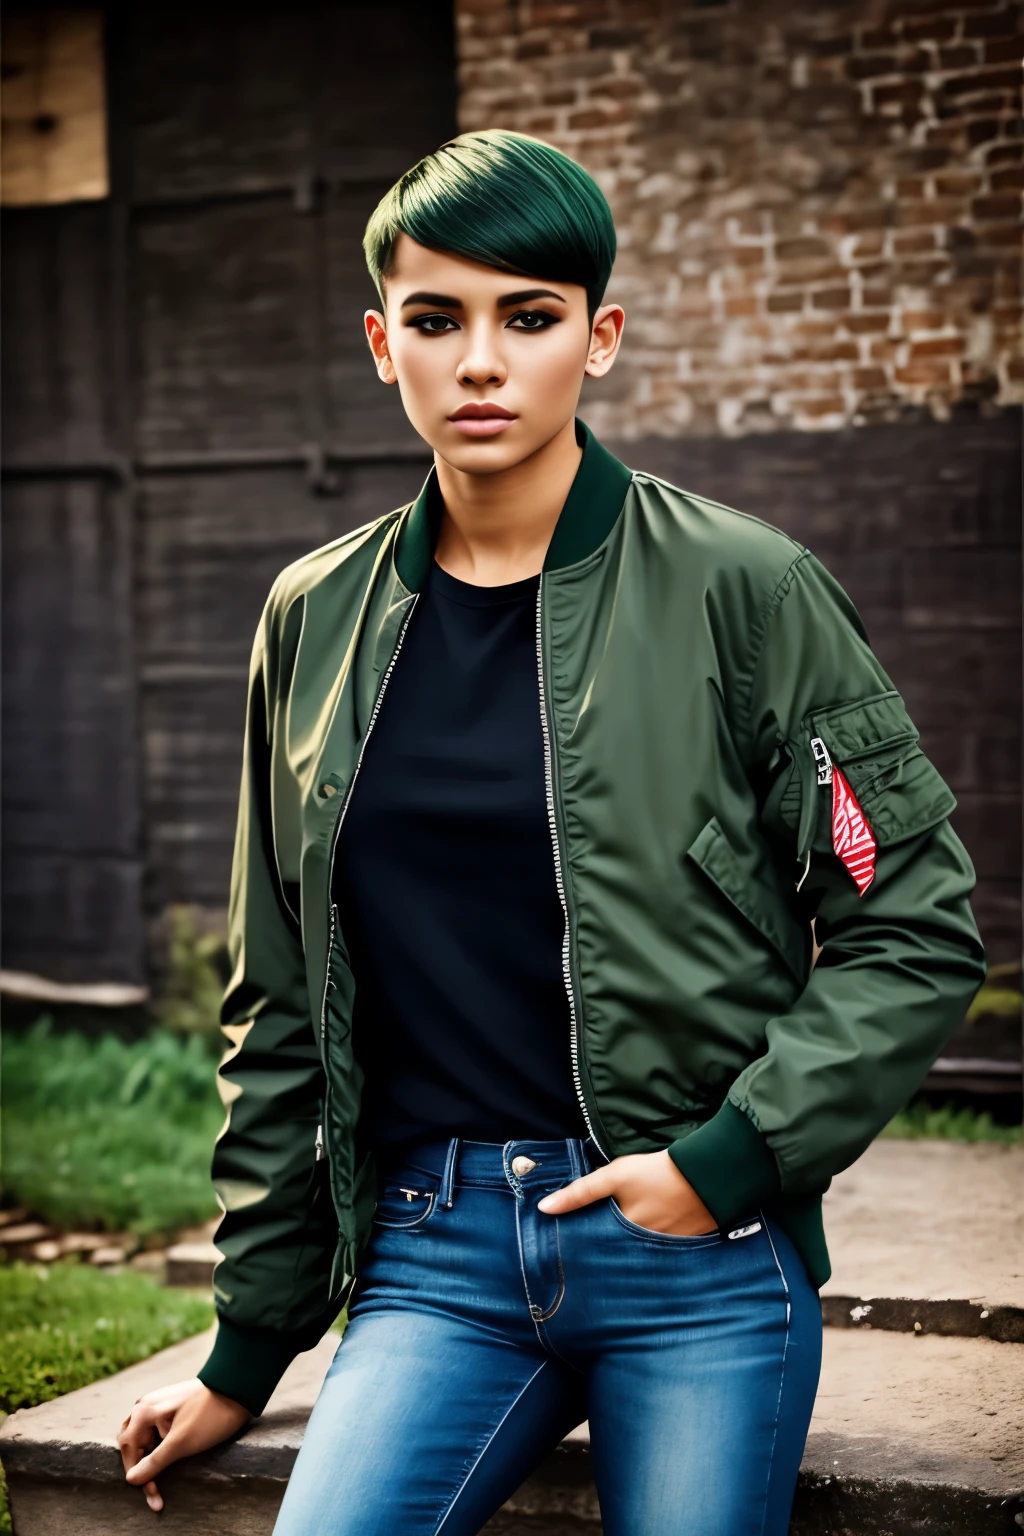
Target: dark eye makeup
436, 324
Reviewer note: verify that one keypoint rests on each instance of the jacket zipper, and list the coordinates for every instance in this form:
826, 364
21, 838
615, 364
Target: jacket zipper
549, 786
321, 1150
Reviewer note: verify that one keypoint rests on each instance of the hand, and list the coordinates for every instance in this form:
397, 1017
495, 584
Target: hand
188, 1417
648, 1189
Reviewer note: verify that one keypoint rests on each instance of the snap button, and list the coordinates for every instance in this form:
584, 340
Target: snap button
521, 1165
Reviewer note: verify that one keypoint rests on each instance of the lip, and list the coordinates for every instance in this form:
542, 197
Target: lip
479, 418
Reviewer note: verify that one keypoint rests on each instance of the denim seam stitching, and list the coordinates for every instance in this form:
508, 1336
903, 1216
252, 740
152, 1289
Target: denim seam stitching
520, 1201
417, 1221
483, 1449
538, 1323
669, 1239
561, 1284
782, 1372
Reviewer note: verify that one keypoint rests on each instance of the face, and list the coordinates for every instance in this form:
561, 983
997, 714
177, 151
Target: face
489, 365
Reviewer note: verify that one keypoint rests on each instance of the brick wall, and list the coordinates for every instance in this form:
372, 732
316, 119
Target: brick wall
818, 206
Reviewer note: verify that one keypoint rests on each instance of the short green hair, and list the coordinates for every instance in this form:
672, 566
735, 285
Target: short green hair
507, 200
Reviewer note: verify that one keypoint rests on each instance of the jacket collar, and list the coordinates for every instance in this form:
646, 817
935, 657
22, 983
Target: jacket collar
594, 502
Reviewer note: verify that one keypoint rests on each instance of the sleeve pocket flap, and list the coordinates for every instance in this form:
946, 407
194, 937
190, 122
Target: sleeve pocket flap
904, 800
874, 743
866, 726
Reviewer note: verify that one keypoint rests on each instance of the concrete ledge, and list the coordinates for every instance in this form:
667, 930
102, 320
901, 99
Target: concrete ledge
918, 1425
909, 1434
190, 1263
929, 1232
902, 1314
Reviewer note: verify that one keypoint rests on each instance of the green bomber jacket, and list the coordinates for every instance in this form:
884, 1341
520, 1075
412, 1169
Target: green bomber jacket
705, 685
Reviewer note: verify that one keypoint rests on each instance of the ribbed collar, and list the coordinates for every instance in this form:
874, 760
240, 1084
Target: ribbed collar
594, 502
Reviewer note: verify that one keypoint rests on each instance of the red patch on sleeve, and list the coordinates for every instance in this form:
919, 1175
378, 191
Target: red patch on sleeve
852, 838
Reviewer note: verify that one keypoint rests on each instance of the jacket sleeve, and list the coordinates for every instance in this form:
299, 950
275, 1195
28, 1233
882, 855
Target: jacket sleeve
899, 963
277, 1233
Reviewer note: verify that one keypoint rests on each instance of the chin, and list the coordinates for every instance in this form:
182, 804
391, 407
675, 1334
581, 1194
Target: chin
484, 456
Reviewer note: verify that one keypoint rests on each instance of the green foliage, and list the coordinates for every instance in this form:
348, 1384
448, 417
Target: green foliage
998, 995
110, 1134
947, 1123
66, 1324
194, 989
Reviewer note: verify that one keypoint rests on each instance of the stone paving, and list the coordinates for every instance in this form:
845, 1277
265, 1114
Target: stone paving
912, 1431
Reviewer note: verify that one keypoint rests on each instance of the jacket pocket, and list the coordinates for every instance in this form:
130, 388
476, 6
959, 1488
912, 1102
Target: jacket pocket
875, 743
712, 852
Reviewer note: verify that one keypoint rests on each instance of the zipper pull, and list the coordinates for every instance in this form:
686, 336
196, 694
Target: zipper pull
822, 759
822, 763
319, 1143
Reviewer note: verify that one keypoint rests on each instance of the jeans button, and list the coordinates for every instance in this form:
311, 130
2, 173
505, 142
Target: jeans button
521, 1165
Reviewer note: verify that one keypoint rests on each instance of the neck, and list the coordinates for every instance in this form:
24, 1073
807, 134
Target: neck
496, 528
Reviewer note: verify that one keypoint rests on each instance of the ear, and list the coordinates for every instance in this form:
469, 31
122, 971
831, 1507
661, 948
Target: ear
377, 336
605, 336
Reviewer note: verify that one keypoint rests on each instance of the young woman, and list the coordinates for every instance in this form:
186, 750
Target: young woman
545, 777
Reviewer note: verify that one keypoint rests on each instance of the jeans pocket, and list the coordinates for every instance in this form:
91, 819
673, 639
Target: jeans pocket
405, 1202
668, 1239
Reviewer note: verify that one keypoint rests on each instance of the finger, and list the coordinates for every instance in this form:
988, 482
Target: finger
135, 1441
592, 1186
154, 1498
143, 1471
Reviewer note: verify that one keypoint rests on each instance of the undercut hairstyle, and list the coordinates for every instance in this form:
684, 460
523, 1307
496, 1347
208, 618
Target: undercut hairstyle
504, 199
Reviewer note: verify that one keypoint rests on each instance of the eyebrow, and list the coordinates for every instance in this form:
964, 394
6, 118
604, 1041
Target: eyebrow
448, 301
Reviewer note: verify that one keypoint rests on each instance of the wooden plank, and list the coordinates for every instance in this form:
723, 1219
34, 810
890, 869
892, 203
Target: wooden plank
219, 108
223, 327
54, 111
217, 101
74, 919
68, 762
56, 327
399, 95
71, 871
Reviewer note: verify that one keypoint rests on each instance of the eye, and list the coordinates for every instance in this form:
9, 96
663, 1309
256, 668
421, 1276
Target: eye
433, 325
532, 320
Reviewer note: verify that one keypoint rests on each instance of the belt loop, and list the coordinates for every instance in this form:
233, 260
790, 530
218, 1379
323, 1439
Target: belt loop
446, 1193
577, 1162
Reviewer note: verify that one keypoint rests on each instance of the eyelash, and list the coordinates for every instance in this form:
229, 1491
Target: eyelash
419, 323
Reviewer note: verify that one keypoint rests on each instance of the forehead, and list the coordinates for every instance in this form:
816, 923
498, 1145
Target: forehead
415, 266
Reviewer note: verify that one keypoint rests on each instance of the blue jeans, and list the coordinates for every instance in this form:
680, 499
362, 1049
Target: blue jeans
481, 1331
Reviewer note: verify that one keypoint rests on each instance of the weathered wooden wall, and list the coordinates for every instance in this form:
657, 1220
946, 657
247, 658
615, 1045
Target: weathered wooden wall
254, 155
188, 406
72, 875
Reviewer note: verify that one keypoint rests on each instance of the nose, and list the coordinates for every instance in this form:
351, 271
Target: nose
481, 361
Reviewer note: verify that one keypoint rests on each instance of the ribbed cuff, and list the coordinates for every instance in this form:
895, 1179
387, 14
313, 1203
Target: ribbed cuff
729, 1164
246, 1364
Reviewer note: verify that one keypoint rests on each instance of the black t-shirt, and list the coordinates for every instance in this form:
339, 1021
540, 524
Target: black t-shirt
445, 883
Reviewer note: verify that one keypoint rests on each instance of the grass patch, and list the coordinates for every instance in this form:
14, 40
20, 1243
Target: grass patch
110, 1134
924, 1120
65, 1325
